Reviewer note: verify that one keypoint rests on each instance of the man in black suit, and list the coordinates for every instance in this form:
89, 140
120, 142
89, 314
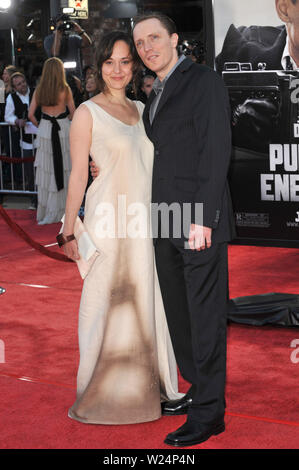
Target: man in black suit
187, 118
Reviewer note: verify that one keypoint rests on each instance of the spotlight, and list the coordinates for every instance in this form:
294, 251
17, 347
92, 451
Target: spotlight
70, 65
30, 24
5, 5
33, 30
32, 38
68, 11
52, 24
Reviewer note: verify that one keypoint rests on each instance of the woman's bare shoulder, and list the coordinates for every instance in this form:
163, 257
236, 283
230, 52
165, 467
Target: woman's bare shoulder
82, 114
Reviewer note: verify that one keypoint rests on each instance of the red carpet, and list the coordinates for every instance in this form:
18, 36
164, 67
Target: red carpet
39, 331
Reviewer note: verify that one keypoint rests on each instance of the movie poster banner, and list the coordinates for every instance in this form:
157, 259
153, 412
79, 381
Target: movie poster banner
258, 64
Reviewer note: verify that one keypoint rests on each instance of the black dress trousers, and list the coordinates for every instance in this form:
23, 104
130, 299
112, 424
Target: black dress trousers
194, 286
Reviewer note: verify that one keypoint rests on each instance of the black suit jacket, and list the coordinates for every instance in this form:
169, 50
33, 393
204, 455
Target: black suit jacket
192, 140
253, 44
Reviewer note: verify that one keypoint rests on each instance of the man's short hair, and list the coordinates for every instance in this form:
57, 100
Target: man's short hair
167, 22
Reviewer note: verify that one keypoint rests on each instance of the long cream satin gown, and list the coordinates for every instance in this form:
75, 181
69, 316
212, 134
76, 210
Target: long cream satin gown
127, 366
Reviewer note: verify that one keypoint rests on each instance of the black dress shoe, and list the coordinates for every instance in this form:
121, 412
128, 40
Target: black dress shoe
191, 434
176, 407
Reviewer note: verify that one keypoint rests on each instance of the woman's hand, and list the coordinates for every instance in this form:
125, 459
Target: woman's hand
71, 250
94, 170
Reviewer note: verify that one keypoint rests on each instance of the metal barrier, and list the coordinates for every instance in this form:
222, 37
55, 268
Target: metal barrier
16, 177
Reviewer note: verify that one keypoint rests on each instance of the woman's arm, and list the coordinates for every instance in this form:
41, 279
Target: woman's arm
32, 109
70, 103
80, 142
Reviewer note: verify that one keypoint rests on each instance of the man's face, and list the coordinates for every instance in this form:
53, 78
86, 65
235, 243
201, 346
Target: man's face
148, 85
293, 25
289, 14
20, 85
156, 48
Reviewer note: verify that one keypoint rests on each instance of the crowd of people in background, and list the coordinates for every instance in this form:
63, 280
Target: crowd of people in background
83, 83
15, 142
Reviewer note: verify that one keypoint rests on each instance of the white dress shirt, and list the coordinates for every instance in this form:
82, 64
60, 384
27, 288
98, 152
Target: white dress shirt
158, 88
285, 54
11, 117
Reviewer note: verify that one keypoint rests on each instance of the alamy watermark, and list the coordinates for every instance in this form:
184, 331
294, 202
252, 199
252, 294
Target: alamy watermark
139, 220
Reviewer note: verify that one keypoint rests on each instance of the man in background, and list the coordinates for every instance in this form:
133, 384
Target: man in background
16, 113
147, 84
67, 43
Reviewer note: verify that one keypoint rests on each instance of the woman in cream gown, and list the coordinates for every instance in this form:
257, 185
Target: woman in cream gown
127, 366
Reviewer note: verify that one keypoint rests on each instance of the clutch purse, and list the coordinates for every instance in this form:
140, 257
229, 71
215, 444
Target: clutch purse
87, 249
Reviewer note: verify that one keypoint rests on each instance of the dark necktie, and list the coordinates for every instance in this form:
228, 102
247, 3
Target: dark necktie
158, 90
289, 63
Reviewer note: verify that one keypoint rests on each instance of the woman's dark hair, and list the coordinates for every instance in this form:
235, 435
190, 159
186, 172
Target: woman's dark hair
105, 50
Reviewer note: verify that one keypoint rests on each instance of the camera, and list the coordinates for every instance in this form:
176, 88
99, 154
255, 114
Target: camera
265, 97
67, 25
195, 48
